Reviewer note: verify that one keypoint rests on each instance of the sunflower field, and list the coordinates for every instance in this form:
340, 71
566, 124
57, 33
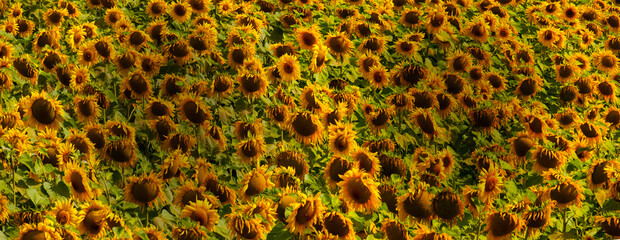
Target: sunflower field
309, 119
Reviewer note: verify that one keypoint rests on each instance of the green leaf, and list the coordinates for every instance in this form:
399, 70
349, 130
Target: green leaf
279, 232
36, 197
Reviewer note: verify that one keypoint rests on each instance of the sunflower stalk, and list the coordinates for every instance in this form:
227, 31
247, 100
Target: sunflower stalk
564, 220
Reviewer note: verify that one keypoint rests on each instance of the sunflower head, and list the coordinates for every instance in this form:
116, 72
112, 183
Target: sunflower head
359, 190
447, 206
502, 224
145, 190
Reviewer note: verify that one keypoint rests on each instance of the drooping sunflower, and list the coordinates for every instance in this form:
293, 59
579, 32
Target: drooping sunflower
308, 37
180, 141
37, 231
252, 85
126, 61
26, 69
416, 205
250, 150
25, 27
380, 118
338, 226
339, 45
359, 190
306, 212
78, 180
188, 193
447, 206
180, 51
500, 225
427, 124
244, 227
138, 84
92, 219
193, 109
4, 208
255, 182
42, 111
202, 213
144, 190
394, 230
566, 192
121, 152
306, 127
591, 131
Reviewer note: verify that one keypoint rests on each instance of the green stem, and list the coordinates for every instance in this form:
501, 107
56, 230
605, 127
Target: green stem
564, 220
13, 169
478, 231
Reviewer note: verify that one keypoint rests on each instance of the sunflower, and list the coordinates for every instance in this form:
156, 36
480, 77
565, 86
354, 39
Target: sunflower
447, 206
138, 84
612, 117
338, 225
339, 45
255, 182
599, 174
37, 231
373, 44
566, 193
45, 38
245, 130
156, 8
52, 59
24, 27
180, 11
490, 185
64, 213
145, 190
183, 142
252, 85
289, 68
222, 85
42, 111
306, 212
113, 16
26, 69
565, 72
478, 30
121, 152
611, 225
606, 61
416, 204
251, 150
242, 227
378, 77
380, 118
592, 132
295, 160
394, 230
201, 212
306, 127
359, 190
55, 17
180, 51
502, 224
529, 86
607, 90
9, 26
126, 61
75, 176
193, 109
4, 209
92, 219
104, 49
342, 138
308, 37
